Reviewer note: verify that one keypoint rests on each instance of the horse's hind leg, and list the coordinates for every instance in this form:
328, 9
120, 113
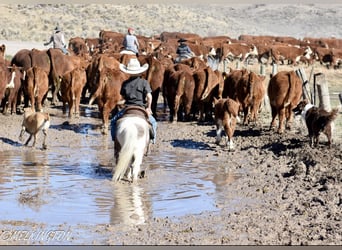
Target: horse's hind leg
136, 165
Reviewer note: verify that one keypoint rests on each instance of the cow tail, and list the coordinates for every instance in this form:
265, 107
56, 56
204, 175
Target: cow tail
36, 82
291, 90
250, 87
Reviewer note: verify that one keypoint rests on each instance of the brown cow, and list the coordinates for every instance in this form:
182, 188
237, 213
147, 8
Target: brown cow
208, 84
284, 92
108, 93
250, 93
98, 62
292, 54
61, 64
92, 45
71, 89
36, 87
78, 46
13, 78
226, 116
178, 90
238, 51
155, 76
230, 83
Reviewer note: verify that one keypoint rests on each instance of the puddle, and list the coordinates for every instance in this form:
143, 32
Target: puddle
74, 186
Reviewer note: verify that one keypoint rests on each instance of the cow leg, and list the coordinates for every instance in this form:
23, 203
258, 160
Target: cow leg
28, 140
77, 104
245, 115
281, 121
274, 115
34, 140
229, 129
289, 117
176, 108
155, 95
105, 118
218, 131
71, 108
45, 135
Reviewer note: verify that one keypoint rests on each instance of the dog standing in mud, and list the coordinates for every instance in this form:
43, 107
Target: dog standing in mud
317, 120
34, 122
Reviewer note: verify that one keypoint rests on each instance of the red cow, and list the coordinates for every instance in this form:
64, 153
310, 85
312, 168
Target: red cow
71, 89
93, 72
108, 93
250, 93
155, 77
92, 45
36, 87
284, 92
178, 89
226, 116
208, 84
292, 54
13, 80
238, 51
61, 64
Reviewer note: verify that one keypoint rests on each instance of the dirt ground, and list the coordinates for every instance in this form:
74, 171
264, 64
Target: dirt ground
297, 188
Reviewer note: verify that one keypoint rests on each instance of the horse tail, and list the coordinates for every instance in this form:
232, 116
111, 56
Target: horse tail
126, 152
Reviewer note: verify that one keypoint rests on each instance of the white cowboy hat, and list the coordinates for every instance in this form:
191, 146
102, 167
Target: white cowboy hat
133, 67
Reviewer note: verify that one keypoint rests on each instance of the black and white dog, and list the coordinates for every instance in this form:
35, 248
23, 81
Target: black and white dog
317, 120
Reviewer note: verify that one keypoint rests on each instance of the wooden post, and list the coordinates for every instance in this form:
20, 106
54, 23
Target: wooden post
237, 65
262, 69
323, 92
274, 69
306, 86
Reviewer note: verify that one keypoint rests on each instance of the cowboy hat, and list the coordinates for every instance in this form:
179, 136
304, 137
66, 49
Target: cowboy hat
182, 40
133, 67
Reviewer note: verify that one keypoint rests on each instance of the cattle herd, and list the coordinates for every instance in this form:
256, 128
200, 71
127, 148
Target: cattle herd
199, 88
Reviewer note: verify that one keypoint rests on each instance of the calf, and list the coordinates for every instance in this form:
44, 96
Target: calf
284, 92
13, 77
226, 115
71, 90
178, 89
250, 94
36, 87
34, 122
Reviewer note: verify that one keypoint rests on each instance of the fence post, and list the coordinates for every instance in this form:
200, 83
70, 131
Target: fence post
323, 91
306, 86
262, 69
274, 69
237, 64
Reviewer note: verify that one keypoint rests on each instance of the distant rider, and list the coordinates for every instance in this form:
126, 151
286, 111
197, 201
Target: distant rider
131, 42
58, 40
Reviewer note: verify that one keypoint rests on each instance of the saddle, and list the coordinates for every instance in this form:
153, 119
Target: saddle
136, 111
139, 112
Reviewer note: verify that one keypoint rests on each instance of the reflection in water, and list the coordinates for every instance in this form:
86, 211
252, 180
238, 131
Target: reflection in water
66, 186
128, 207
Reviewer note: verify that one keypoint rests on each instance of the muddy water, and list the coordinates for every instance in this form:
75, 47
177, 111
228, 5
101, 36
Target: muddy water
74, 186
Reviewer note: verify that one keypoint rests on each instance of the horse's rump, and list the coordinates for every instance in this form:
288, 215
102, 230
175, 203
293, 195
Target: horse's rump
132, 137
